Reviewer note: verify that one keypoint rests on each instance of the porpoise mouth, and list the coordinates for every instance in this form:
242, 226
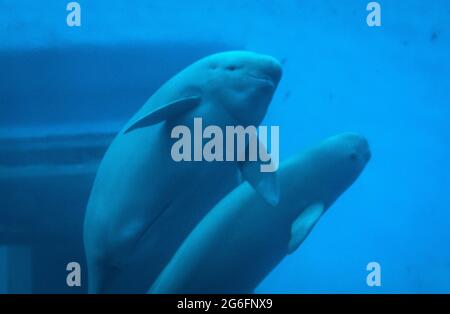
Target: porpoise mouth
262, 78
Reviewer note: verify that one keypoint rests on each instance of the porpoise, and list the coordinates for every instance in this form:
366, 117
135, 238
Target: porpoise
243, 238
143, 203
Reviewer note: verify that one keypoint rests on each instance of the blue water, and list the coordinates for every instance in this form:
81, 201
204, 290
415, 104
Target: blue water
389, 83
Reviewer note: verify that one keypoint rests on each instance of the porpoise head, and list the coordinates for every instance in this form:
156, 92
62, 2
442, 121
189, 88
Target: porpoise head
344, 157
328, 169
242, 82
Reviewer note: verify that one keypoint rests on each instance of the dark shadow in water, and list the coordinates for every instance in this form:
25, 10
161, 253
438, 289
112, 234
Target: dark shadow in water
88, 84
45, 180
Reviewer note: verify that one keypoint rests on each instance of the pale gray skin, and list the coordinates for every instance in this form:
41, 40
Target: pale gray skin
143, 204
242, 238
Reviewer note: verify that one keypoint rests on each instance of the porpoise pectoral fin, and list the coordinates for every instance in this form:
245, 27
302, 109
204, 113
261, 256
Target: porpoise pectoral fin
165, 112
303, 225
265, 183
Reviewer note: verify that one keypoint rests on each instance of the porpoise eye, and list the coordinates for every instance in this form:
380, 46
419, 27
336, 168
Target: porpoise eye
231, 68
353, 156
213, 67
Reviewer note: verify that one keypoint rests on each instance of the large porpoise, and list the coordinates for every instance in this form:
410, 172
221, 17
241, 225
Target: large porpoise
144, 203
243, 238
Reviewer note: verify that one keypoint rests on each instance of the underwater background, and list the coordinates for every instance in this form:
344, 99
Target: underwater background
65, 91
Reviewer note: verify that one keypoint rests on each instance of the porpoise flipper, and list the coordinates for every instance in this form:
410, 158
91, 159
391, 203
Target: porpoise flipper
265, 183
165, 112
303, 225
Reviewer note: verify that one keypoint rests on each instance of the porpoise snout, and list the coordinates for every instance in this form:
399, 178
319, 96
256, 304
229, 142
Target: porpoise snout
272, 69
266, 68
367, 153
364, 149
361, 149
256, 65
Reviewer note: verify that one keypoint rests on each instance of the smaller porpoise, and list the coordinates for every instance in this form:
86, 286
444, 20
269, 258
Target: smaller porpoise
243, 238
